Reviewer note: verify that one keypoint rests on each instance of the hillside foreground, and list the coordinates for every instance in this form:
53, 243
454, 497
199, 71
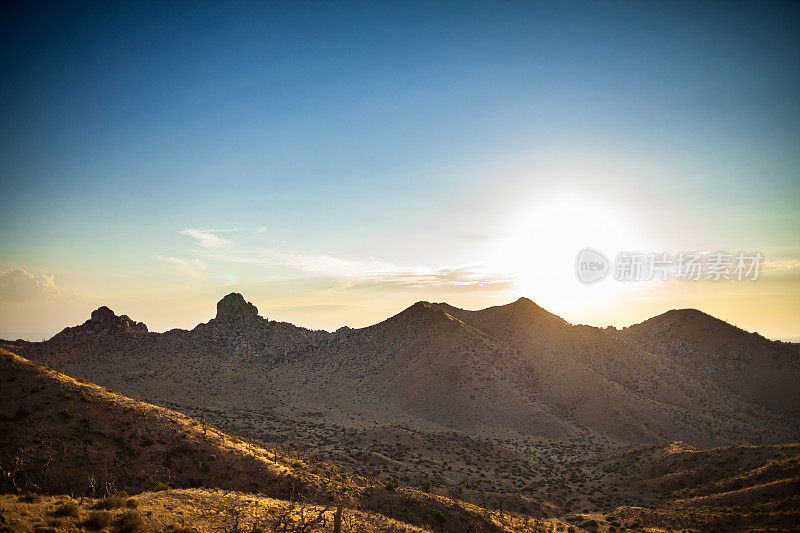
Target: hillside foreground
70, 449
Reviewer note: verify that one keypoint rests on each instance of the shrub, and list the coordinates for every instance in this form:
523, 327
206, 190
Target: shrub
69, 508
426, 486
30, 498
392, 485
98, 520
132, 503
112, 502
161, 486
130, 522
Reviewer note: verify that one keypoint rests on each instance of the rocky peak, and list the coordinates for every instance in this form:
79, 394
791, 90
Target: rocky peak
234, 306
102, 315
103, 321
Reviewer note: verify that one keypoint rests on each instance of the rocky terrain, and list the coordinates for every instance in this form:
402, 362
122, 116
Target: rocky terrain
509, 408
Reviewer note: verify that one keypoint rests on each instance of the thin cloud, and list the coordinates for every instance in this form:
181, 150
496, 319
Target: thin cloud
782, 265
208, 238
378, 271
192, 267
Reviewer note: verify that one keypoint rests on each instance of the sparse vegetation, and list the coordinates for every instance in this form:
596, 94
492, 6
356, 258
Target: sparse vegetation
69, 508
130, 522
98, 520
114, 501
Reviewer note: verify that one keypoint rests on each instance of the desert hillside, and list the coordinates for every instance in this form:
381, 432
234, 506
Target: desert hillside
509, 406
761, 370
513, 369
95, 447
60, 435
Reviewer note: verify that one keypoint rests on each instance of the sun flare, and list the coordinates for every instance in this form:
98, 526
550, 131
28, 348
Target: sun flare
539, 251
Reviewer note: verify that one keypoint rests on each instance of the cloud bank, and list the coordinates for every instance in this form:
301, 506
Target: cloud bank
20, 285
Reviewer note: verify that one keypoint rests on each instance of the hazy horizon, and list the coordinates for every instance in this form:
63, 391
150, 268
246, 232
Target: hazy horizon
337, 163
277, 317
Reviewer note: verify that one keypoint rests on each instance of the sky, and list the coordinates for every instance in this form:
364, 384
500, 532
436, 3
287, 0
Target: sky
336, 162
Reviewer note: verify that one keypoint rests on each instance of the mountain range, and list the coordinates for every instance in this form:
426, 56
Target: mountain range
508, 406
683, 375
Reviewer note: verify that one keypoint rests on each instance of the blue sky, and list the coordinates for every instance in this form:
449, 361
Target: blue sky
392, 137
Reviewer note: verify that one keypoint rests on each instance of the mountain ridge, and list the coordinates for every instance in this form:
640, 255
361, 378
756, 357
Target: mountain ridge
515, 367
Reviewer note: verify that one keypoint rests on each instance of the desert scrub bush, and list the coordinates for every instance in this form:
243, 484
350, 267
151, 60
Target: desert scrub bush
69, 508
132, 503
98, 520
30, 498
392, 485
130, 522
118, 499
161, 486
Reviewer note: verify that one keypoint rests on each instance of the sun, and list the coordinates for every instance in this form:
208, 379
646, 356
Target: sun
539, 249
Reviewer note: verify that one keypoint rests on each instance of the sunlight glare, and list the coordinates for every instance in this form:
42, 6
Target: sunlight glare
540, 248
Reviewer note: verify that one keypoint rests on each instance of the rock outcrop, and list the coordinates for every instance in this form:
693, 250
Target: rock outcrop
234, 306
103, 321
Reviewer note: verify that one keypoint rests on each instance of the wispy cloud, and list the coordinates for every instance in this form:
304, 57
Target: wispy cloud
208, 238
349, 270
192, 267
376, 270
